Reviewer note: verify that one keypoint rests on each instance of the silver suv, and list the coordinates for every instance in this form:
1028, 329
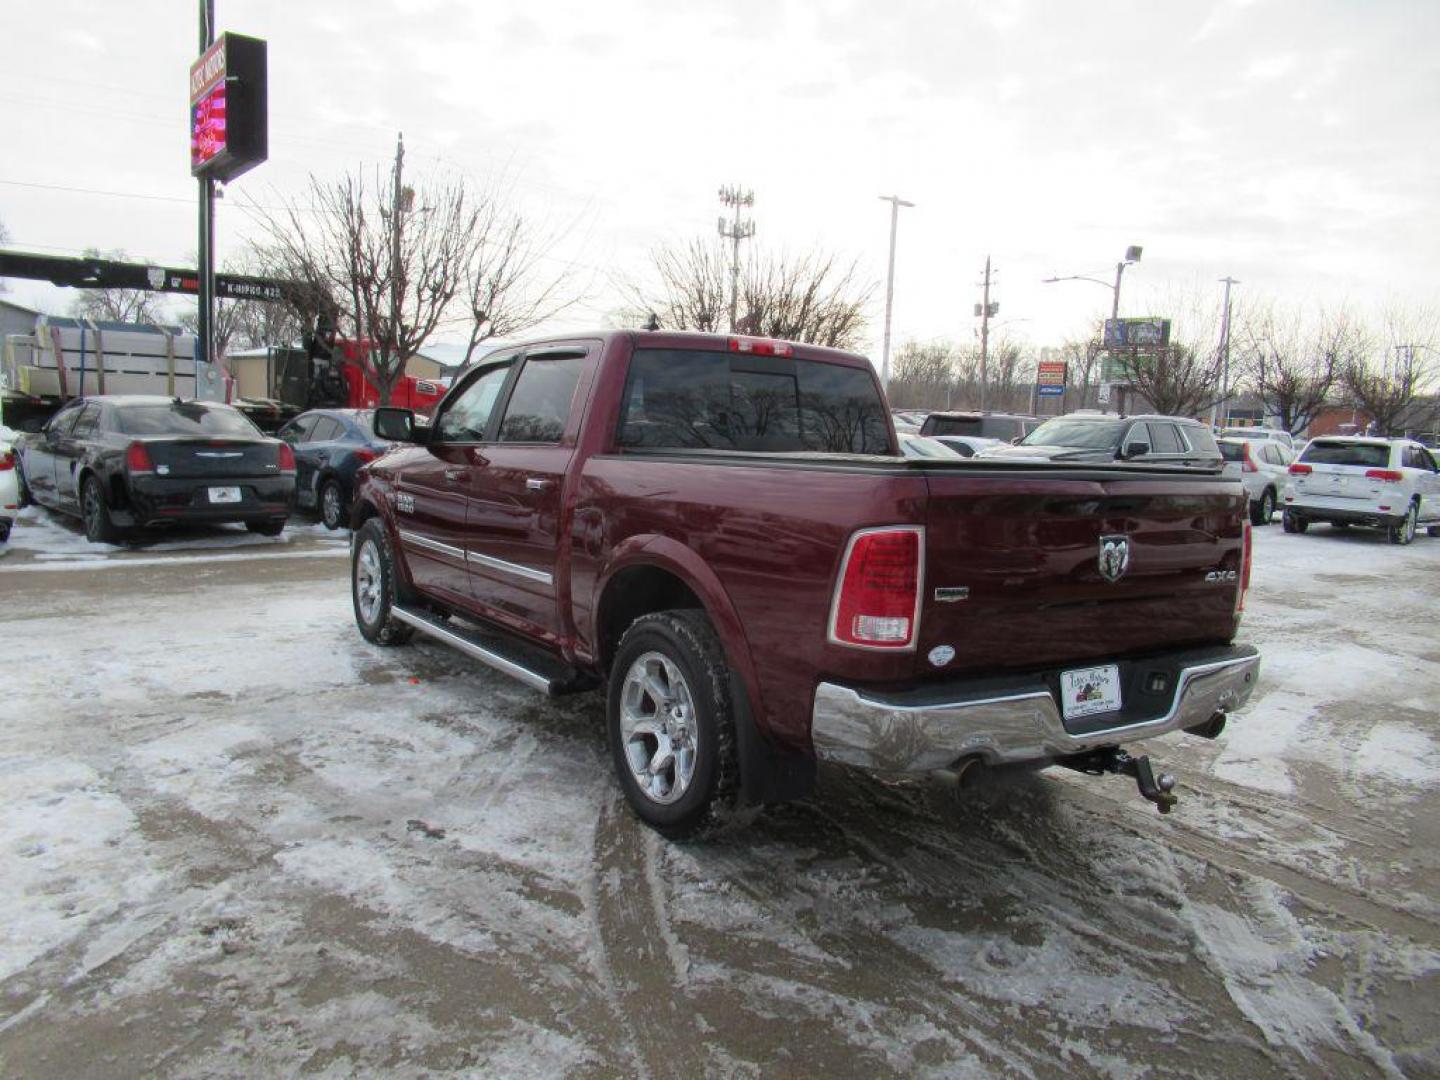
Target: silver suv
1390, 484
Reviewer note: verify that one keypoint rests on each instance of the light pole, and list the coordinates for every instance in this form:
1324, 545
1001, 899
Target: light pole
1225, 356
1132, 255
895, 203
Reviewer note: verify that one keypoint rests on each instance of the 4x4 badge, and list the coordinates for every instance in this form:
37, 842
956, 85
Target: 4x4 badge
1114, 557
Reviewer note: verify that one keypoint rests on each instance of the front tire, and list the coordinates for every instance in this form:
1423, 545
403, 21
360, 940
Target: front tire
1293, 524
373, 586
99, 527
1403, 532
332, 505
671, 724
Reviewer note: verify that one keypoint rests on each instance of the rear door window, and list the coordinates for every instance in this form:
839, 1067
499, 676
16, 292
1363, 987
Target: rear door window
1232, 451
1364, 455
540, 404
327, 429
692, 399
1164, 439
298, 430
87, 423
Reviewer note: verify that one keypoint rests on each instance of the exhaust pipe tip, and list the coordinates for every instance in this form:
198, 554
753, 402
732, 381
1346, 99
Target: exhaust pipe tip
1211, 728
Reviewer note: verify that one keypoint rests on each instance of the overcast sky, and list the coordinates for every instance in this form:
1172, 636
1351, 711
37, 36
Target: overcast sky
1292, 145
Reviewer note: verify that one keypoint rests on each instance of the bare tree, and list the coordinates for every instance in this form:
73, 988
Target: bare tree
1177, 379
389, 261
504, 292
1398, 374
4, 239
923, 375
812, 297
117, 305
1295, 370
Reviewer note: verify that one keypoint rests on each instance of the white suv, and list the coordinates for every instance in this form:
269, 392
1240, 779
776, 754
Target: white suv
1263, 467
1390, 484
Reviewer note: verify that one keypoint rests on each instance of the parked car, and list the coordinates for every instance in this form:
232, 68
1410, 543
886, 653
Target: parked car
9, 485
918, 446
126, 462
967, 445
330, 447
1343, 480
720, 532
1006, 427
1264, 468
1158, 440
1284, 438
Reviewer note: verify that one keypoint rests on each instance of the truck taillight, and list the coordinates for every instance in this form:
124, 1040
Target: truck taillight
137, 459
365, 455
877, 598
1300, 470
1389, 476
7, 461
1248, 465
287, 458
1248, 544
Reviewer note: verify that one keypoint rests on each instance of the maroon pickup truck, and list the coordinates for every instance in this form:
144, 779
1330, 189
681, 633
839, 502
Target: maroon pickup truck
719, 531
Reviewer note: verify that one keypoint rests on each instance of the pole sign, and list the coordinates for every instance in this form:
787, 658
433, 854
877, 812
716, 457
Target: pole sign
1050, 378
1127, 333
229, 130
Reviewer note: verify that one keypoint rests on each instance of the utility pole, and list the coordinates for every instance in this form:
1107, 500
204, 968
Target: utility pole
1225, 353
895, 203
735, 232
205, 323
985, 309
397, 210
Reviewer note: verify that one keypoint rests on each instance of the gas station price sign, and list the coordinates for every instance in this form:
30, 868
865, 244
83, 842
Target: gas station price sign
229, 130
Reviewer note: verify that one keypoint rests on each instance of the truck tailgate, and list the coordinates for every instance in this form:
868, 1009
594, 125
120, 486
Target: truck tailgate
1014, 576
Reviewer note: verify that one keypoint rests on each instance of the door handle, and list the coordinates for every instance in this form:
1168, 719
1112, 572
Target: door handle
454, 474
538, 483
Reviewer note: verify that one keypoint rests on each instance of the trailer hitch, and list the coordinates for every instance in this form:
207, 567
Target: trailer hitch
1111, 759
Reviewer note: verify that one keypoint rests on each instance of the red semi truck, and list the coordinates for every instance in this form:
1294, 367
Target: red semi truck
718, 532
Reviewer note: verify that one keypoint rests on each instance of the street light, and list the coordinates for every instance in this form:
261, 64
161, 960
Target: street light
1132, 255
895, 203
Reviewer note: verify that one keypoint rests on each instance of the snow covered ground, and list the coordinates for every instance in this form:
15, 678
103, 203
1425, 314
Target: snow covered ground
240, 841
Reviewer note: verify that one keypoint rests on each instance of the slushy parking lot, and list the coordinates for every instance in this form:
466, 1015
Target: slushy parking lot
240, 841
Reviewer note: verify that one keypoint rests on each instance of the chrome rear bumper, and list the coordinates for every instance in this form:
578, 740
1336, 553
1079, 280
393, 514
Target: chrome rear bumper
891, 734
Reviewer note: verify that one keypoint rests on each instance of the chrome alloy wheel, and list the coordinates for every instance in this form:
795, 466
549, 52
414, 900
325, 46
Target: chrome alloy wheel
368, 581
330, 506
657, 728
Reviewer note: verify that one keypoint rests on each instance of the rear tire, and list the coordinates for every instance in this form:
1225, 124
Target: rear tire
25, 498
332, 505
1293, 524
1264, 510
1433, 530
267, 527
373, 586
99, 528
4, 530
671, 724
1403, 532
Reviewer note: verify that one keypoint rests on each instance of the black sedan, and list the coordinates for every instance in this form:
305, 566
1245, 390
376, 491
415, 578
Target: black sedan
128, 462
330, 447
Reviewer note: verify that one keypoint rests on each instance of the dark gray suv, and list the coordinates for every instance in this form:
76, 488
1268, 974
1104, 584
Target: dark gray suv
1155, 440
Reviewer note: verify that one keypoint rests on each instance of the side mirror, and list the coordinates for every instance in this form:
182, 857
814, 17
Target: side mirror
1135, 449
395, 425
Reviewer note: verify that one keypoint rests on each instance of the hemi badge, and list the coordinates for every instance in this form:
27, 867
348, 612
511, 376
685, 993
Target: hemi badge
952, 595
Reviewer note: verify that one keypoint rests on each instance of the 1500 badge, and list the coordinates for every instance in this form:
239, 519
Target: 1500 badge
405, 503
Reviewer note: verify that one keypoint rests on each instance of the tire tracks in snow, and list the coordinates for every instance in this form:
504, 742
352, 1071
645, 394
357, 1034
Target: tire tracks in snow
643, 965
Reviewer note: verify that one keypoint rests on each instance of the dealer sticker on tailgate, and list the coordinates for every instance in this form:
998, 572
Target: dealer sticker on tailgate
1086, 691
